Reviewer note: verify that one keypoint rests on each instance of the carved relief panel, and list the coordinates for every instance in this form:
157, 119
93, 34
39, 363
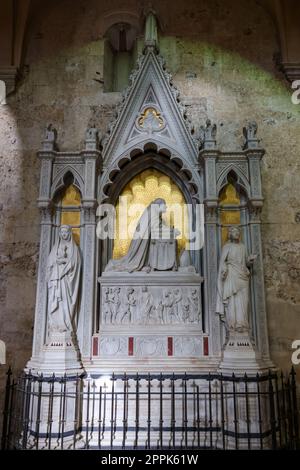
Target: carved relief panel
150, 305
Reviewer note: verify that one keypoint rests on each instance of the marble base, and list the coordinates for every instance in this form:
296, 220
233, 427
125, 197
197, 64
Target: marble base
239, 356
149, 316
104, 366
60, 355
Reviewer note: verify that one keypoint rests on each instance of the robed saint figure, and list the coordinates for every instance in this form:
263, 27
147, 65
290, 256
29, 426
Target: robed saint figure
63, 275
233, 283
153, 246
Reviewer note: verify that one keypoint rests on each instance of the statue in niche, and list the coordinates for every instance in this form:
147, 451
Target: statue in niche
154, 245
63, 275
233, 283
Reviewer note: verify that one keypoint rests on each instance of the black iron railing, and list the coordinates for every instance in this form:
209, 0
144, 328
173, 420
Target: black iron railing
154, 411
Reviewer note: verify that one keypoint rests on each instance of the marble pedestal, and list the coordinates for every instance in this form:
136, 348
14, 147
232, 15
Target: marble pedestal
60, 355
239, 355
52, 393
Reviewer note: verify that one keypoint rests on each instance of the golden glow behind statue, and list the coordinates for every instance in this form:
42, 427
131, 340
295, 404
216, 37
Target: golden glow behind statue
143, 189
230, 215
70, 210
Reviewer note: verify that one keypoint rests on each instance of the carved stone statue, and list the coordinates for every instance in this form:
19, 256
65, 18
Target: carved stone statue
111, 305
63, 275
51, 134
194, 306
130, 305
168, 302
92, 138
208, 134
177, 305
92, 133
250, 131
233, 283
250, 134
153, 246
147, 306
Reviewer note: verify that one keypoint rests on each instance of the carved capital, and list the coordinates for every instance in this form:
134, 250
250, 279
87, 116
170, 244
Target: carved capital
89, 211
90, 154
254, 153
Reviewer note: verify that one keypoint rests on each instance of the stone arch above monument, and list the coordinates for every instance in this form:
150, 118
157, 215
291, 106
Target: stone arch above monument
149, 156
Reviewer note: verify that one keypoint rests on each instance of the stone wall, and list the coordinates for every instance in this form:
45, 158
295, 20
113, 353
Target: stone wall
222, 55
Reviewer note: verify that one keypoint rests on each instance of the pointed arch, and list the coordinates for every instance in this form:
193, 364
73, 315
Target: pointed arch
115, 178
241, 181
59, 182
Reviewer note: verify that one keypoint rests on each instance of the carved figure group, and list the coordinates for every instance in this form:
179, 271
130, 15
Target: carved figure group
130, 305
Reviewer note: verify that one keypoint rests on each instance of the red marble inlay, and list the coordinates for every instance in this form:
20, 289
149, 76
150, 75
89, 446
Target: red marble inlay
95, 346
170, 346
130, 346
205, 346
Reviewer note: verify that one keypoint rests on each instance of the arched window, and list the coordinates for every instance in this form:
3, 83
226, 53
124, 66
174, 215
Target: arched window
119, 56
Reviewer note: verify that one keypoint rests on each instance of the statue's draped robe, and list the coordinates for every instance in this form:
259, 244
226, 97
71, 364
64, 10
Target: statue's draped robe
233, 291
146, 248
162, 254
63, 285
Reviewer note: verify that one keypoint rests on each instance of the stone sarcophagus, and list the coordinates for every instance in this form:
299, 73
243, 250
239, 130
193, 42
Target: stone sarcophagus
146, 315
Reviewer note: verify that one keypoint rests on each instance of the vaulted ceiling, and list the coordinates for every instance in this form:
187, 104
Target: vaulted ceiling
15, 28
